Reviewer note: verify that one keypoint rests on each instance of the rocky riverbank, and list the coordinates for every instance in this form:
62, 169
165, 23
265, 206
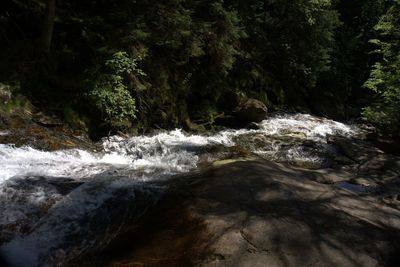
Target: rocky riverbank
23, 124
40, 131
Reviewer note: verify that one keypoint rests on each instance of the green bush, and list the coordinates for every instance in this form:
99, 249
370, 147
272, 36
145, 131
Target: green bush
109, 89
385, 76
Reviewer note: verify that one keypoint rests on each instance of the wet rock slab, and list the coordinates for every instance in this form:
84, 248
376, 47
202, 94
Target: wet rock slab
259, 213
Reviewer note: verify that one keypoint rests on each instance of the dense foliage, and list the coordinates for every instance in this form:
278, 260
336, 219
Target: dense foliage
110, 92
385, 75
170, 63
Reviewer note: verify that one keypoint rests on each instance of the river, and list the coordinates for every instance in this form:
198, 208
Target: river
48, 200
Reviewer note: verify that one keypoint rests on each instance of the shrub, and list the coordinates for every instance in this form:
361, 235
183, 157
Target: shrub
109, 87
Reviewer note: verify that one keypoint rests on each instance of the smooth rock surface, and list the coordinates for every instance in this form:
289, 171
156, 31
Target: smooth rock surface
259, 213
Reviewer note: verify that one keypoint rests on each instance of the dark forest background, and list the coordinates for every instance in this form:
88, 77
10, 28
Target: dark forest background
126, 64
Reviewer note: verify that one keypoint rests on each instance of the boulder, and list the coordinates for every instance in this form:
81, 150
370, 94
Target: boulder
249, 111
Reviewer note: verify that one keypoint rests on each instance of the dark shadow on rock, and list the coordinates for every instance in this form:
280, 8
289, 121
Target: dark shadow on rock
301, 220
391, 146
258, 213
169, 235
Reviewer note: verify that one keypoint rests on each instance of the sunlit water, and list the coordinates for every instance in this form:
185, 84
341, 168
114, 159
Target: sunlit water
165, 153
123, 167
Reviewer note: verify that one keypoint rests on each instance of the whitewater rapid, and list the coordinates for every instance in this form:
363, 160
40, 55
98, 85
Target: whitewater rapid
161, 154
56, 206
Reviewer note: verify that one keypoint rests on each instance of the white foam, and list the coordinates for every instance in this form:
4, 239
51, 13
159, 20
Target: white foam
65, 163
166, 152
312, 127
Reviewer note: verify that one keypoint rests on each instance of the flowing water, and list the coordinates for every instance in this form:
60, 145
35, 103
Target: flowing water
47, 199
170, 152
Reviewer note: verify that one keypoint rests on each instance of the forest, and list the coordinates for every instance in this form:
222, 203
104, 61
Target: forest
133, 65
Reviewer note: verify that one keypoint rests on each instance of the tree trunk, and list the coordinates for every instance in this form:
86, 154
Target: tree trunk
48, 25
